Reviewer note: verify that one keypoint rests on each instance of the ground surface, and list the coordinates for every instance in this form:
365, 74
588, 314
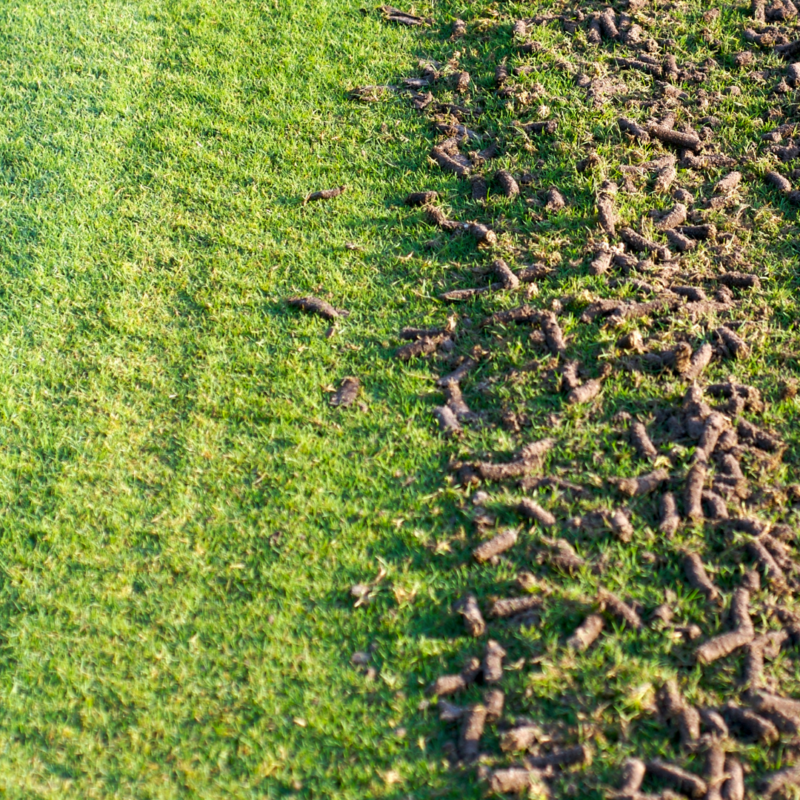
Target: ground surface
183, 513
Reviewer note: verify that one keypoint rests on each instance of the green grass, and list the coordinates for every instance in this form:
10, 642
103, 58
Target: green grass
183, 513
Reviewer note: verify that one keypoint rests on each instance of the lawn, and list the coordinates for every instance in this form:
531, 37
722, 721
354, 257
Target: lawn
184, 512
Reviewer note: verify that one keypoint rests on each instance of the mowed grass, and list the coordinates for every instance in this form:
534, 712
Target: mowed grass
182, 512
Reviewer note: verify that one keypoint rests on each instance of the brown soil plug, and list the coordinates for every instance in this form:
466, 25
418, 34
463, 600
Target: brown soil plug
641, 442
601, 262
733, 343
585, 393
750, 434
683, 141
516, 780
715, 774
480, 189
564, 557
640, 244
553, 334
313, 305
450, 684
772, 572
733, 788
586, 633
555, 200
468, 607
347, 393
424, 346
674, 218
535, 512
714, 723
494, 699
715, 505
472, 726
693, 491
521, 738
670, 520
783, 711
700, 360
493, 662
607, 214
633, 128
507, 278
580, 754
633, 772
698, 579
483, 234
684, 781
635, 487
675, 708
778, 181
325, 194
723, 645
621, 610
739, 280
728, 183
713, 428
499, 544
448, 421
621, 525
778, 781
508, 186
751, 724
421, 198
511, 606
680, 242
459, 29
527, 460
665, 177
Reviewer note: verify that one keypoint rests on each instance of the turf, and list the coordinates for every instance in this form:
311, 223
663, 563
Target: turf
183, 512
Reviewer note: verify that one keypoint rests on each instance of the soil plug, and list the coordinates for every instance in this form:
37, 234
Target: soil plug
641, 442
459, 29
580, 754
619, 609
553, 334
494, 700
635, 487
555, 200
640, 244
450, 684
674, 218
521, 738
728, 183
601, 263
683, 141
684, 781
586, 633
535, 512
468, 607
507, 278
606, 212
693, 492
733, 343
472, 727
511, 606
313, 305
733, 788
751, 724
499, 544
517, 780
325, 194
508, 186
670, 520
480, 189
493, 662
698, 579
421, 198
